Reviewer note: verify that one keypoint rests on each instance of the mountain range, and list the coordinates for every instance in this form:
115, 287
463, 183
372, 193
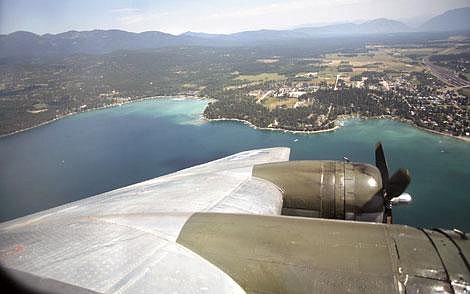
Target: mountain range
452, 20
103, 41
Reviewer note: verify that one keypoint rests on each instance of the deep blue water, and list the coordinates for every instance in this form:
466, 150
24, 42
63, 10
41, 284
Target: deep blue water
98, 151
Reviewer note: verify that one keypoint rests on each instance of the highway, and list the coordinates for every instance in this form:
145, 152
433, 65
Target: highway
446, 75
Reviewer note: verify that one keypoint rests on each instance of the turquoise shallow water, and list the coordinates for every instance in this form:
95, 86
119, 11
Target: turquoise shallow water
98, 151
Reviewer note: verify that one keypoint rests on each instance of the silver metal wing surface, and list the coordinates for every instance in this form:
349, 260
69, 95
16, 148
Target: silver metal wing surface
125, 240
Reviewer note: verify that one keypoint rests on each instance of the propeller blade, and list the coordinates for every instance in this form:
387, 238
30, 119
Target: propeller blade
391, 187
398, 183
381, 164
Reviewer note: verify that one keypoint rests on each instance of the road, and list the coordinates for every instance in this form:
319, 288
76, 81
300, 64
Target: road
336, 83
264, 96
446, 75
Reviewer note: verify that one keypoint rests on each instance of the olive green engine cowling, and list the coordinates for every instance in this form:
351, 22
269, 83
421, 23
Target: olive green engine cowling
327, 189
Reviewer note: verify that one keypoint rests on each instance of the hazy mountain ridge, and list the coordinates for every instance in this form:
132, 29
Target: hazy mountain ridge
104, 41
94, 42
376, 26
452, 20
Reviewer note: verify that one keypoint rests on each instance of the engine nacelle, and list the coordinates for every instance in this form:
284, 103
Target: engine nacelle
327, 189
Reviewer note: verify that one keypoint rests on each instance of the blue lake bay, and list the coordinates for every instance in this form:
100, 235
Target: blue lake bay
97, 151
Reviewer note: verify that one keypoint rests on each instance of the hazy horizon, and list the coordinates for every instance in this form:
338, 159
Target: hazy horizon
210, 16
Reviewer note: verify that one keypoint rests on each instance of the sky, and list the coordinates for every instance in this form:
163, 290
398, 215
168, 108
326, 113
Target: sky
210, 16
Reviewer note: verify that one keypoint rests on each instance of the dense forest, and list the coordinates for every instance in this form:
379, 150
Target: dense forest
328, 105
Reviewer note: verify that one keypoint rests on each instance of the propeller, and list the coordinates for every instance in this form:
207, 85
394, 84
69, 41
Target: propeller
392, 186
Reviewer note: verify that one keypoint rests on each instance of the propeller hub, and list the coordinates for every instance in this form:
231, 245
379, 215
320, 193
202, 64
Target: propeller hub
394, 187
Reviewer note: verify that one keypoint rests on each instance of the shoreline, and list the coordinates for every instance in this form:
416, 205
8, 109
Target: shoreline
338, 122
408, 122
102, 107
251, 125
461, 138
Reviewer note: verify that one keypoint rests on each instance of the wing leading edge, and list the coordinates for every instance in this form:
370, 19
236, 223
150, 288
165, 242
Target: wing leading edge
126, 239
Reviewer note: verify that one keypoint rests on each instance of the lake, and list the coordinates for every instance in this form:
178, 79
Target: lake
98, 151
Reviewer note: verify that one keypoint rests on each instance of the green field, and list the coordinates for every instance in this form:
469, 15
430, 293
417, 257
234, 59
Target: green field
380, 60
273, 102
262, 77
465, 92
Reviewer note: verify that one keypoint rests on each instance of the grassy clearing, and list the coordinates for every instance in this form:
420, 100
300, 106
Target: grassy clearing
189, 86
267, 61
241, 86
383, 59
273, 102
465, 91
262, 77
418, 51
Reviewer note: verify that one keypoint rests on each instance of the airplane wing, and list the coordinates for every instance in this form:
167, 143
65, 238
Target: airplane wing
125, 240
217, 228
